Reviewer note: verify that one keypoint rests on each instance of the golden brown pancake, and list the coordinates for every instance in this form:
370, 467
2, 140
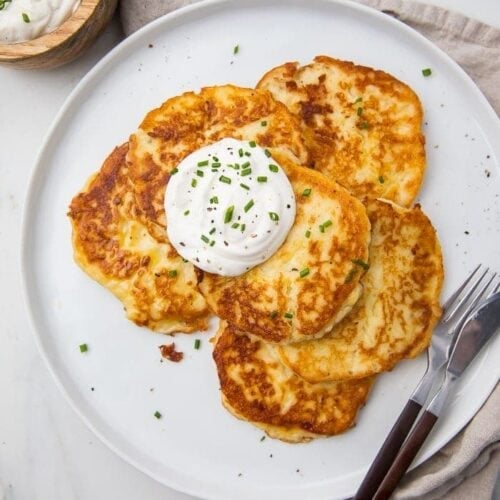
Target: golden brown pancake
113, 246
312, 280
362, 126
185, 123
256, 386
398, 310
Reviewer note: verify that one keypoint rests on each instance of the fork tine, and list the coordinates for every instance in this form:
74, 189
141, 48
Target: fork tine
456, 301
480, 294
455, 294
495, 289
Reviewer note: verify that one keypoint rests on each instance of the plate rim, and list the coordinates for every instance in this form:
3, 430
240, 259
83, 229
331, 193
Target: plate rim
39, 168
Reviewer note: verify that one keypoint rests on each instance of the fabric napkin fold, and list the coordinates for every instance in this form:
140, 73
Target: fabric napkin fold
469, 465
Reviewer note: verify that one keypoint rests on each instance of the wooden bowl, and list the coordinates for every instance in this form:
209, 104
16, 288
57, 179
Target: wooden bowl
63, 44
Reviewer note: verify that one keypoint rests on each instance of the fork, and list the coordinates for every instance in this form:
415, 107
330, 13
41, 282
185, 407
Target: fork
479, 284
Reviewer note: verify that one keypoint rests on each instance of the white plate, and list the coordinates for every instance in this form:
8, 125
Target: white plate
197, 447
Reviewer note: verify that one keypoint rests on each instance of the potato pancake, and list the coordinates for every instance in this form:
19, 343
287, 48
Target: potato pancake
187, 122
312, 281
398, 310
111, 244
363, 127
256, 386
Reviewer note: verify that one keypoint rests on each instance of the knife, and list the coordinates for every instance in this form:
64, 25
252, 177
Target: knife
479, 327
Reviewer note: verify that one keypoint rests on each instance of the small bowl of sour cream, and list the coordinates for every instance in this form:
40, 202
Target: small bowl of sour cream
48, 33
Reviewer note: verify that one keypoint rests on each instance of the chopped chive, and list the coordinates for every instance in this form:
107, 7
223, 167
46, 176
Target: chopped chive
288, 315
361, 263
197, 344
307, 192
228, 214
204, 238
186, 212
427, 72
212, 231
263, 123
273, 314
235, 225
273, 168
262, 178
203, 163
246, 171
174, 171
194, 182
248, 206
359, 111
246, 164
252, 144
157, 414
224, 179
308, 233
237, 166
247, 153
236, 49
359, 99
262, 438
215, 165
350, 275
214, 200
240, 152
327, 223
26, 18
172, 273
274, 216
244, 186
304, 272
243, 226
84, 348
212, 243
267, 152
214, 158
364, 125
200, 173
381, 179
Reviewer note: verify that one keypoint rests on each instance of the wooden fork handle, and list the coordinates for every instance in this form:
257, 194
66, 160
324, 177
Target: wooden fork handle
405, 457
387, 453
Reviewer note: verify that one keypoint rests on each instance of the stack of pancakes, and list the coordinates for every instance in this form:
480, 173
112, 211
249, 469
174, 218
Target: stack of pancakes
353, 289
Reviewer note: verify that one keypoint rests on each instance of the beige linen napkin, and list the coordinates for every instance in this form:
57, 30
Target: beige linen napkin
468, 466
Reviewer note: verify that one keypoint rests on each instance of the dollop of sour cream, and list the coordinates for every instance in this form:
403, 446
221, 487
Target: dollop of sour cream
229, 207
22, 20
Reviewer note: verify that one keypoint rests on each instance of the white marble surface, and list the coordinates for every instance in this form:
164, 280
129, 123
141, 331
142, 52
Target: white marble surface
46, 452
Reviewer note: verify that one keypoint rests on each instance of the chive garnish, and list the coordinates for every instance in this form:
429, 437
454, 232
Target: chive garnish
359, 111
26, 18
214, 200
252, 144
240, 152
325, 224
228, 214
307, 192
235, 225
212, 231
361, 263
267, 152
244, 186
200, 173
243, 226
263, 123
304, 272
214, 158
194, 182
273, 314
245, 165
381, 179
172, 273
215, 165
359, 99
212, 243
364, 125
224, 179
186, 212
274, 216
262, 438
273, 168
248, 206
203, 163
262, 178
197, 344
157, 414
236, 49
350, 275
308, 233
246, 171
247, 153
174, 171
84, 348
288, 315
427, 72
204, 238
